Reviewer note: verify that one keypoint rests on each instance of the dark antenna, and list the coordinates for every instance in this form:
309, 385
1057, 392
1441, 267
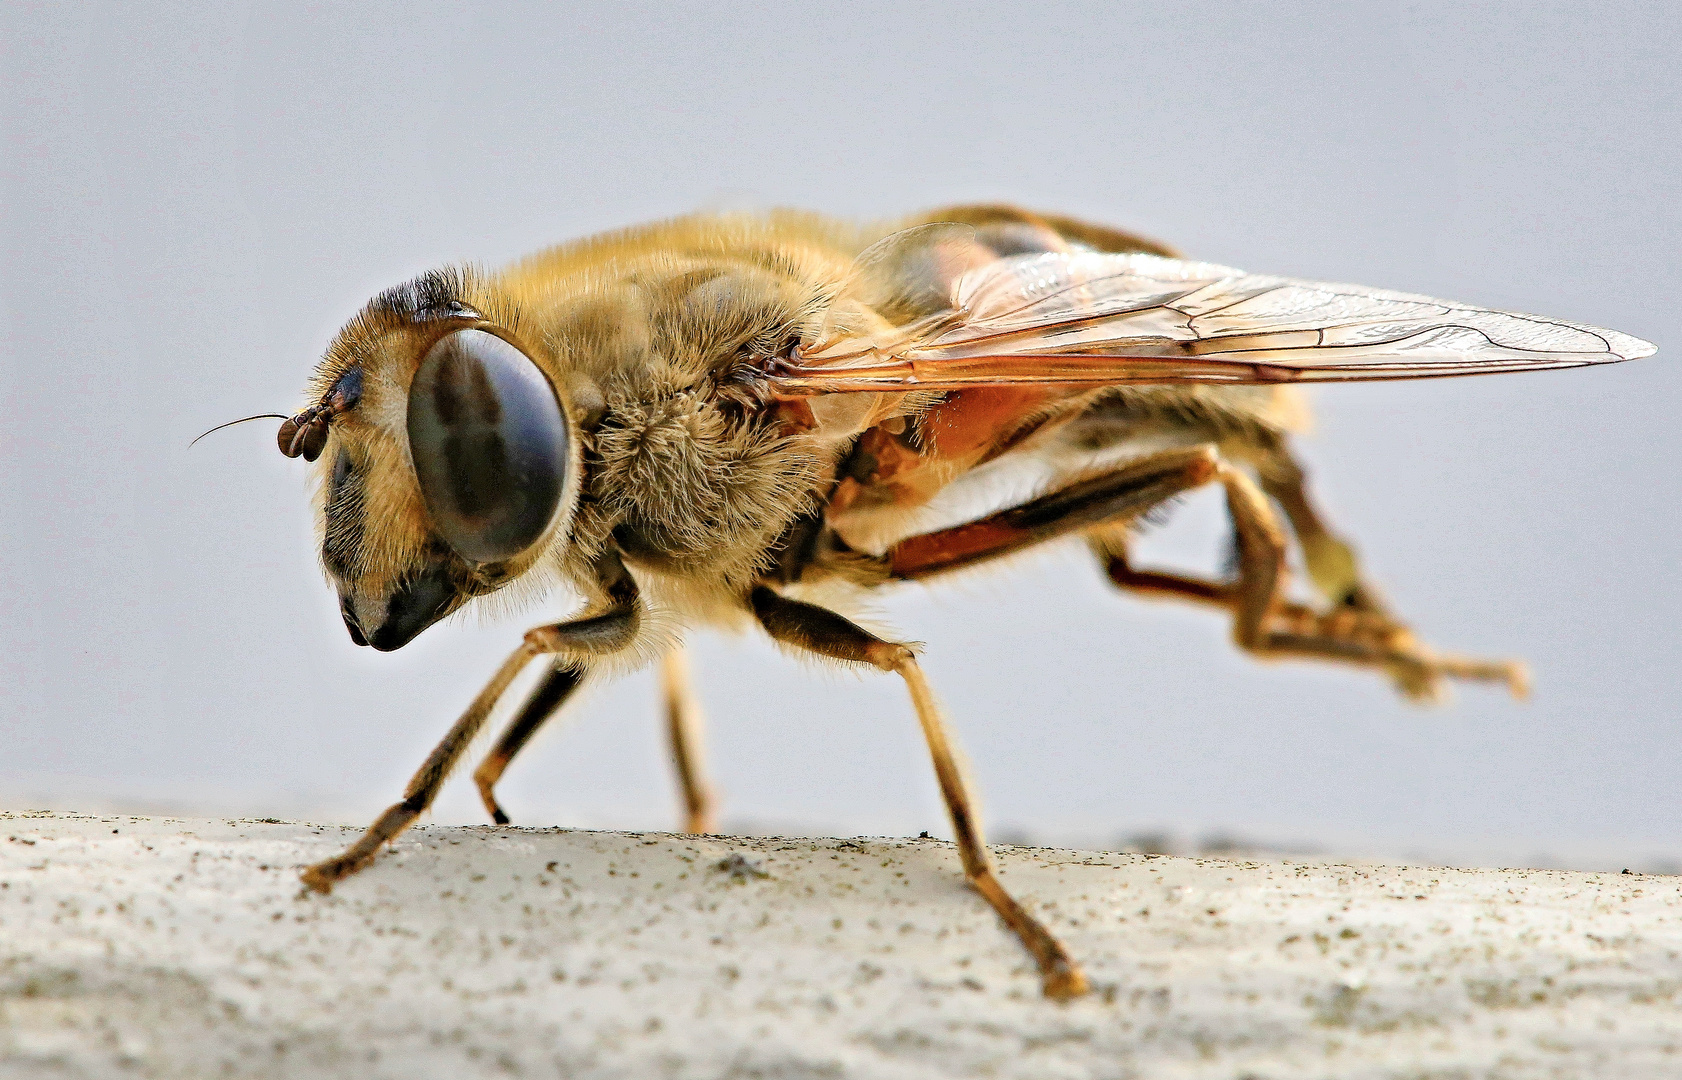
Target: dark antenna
241, 420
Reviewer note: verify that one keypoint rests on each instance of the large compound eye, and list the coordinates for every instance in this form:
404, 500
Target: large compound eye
490, 445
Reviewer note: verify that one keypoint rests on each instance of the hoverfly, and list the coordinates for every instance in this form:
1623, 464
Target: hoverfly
737, 420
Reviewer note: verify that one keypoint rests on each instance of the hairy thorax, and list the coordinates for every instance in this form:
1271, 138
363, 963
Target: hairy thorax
685, 482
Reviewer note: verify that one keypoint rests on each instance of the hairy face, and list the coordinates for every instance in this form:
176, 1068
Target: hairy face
446, 470
503, 424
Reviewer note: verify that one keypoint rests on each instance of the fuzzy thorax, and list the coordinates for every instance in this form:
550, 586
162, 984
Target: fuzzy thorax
696, 492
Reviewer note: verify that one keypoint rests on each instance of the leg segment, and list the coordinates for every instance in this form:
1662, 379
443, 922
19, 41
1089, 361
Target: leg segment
608, 632
684, 723
423, 788
824, 632
1353, 635
1261, 557
684, 727
1116, 496
1331, 562
1359, 630
546, 699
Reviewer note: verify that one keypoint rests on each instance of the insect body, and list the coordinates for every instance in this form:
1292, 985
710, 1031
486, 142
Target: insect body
737, 420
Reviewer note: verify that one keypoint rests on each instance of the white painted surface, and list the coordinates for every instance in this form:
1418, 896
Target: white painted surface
155, 947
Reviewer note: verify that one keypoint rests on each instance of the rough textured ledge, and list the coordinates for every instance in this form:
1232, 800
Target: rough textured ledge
156, 947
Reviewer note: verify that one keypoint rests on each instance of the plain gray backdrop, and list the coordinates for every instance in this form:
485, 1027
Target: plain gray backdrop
196, 197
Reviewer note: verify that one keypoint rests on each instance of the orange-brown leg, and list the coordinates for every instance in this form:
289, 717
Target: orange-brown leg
1358, 630
822, 631
423, 788
546, 699
1112, 497
610, 631
685, 728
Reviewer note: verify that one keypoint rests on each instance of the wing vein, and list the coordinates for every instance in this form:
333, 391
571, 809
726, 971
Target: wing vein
1084, 318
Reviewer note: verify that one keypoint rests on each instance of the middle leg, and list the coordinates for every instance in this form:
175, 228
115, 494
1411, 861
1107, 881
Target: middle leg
826, 633
685, 725
683, 731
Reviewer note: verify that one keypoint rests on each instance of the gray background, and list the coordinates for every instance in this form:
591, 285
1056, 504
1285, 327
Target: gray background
195, 198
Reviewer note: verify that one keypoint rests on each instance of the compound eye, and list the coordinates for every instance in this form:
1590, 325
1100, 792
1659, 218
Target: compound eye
490, 445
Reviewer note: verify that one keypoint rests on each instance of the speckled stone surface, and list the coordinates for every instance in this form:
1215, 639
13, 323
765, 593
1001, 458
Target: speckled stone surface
173, 948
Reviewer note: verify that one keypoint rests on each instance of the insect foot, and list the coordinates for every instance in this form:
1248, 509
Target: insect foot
320, 877
324, 875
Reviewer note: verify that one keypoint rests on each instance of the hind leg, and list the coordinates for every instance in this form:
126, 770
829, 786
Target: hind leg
1356, 628
1329, 559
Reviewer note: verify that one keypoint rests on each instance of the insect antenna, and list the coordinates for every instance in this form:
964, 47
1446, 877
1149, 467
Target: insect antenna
241, 420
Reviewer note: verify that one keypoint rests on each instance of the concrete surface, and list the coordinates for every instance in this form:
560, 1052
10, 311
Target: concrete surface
173, 948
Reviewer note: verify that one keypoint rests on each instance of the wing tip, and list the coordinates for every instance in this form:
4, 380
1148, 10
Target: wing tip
1632, 348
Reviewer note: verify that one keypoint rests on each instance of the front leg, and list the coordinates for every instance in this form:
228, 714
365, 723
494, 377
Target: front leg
822, 631
607, 632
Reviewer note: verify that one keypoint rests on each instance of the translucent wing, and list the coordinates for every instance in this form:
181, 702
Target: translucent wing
1089, 318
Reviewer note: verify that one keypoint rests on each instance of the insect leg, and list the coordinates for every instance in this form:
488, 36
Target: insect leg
1369, 638
1113, 550
423, 788
1354, 633
1357, 629
607, 632
822, 631
1330, 561
1265, 623
684, 724
558, 684
1114, 496
684, 727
